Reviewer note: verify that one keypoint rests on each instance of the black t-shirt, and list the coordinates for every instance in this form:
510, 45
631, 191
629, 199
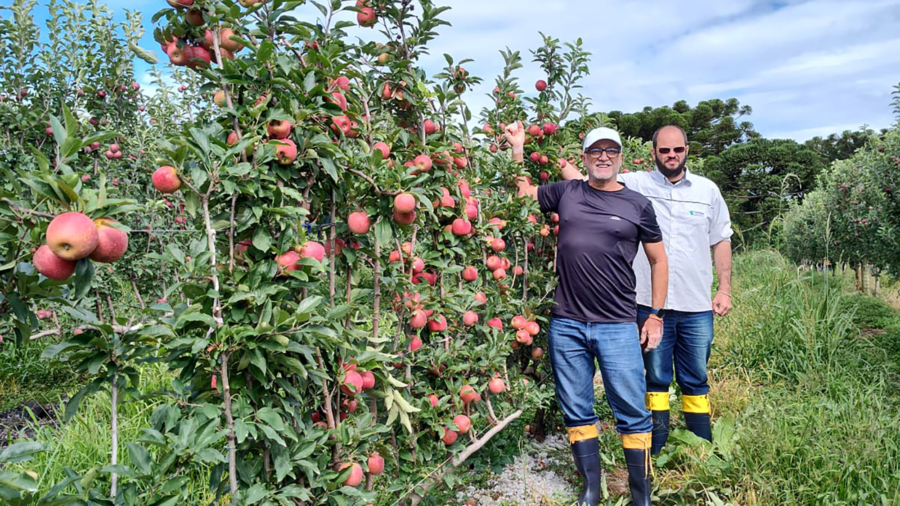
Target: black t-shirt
599, 233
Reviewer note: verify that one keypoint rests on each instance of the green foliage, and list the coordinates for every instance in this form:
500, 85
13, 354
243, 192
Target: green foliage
840, 146
858, 200
711, 126
758, 179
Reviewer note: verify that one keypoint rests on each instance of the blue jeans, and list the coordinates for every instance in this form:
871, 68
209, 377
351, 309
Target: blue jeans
686, 342
616, 346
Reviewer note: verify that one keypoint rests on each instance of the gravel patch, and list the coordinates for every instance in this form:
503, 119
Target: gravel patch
529, 480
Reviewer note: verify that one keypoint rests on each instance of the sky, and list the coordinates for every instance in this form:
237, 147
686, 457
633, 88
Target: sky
806, 67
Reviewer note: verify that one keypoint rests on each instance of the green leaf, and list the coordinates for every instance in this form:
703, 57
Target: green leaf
330, 168
384, 233
140, 457
271, 417
254, 494
195, 317
84, 273
71, 122
147, 56
308, 304
72, 405
265, 51
15, 482
261, 239
59, 132
21, 452
210, 455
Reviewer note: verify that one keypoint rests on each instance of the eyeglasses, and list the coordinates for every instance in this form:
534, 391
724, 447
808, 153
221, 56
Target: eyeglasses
665, 151
598, 152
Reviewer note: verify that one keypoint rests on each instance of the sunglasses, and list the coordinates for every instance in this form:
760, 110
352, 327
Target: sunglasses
665, 151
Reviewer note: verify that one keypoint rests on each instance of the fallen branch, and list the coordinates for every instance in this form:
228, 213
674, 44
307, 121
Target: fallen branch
415, 498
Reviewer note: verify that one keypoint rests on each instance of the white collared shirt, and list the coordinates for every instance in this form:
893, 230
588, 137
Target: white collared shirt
693, 217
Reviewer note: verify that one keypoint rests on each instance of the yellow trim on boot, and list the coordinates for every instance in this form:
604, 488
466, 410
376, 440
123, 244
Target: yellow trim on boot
695, 403
582, 433
639, 441
657, 401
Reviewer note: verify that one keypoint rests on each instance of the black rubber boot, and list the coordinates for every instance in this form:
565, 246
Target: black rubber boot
698, 423
587, 461
638, 462
660, 430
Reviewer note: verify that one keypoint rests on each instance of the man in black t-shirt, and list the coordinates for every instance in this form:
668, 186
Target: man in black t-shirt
600, 225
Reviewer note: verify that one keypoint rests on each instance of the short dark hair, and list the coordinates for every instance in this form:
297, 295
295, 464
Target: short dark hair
660, 129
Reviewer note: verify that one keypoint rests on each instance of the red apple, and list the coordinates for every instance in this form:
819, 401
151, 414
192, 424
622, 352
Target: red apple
537, 353
498, 245
470, 273
341, 124
518, 322
47, 263
541, 85
198, 57
287, 262
468, 394
461, 227
437, 324
112, 242
463, 422
352, 384
496, 323
165, 179
366, 17
368, 378
404, 203
358, 223
418, 320
375, 464
533, 328
404, 218
285, 151
500, 274
356, 474
449, 436
481, 297
279, 129
312, 249
422, 163
430, 127
470, 318
72, 236
494, 262
384, 148
433, 399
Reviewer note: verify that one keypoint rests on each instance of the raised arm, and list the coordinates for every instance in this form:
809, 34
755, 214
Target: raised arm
569, 171
515, 135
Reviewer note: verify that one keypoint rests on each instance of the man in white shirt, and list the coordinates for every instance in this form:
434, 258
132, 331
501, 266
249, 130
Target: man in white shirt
694, 219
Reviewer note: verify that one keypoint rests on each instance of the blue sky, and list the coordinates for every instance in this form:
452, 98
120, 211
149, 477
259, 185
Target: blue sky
806, 67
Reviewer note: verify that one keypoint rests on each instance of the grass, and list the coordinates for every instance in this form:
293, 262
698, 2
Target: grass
813, 399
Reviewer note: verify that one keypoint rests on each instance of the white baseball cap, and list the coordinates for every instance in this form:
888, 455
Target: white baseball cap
600, 134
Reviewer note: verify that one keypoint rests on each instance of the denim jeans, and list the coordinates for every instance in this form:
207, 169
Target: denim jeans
686, 342
616, 346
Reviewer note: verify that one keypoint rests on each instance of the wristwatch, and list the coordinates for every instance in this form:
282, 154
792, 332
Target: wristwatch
658, 313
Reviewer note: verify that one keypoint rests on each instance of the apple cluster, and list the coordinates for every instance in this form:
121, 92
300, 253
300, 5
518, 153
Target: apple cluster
72, 237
